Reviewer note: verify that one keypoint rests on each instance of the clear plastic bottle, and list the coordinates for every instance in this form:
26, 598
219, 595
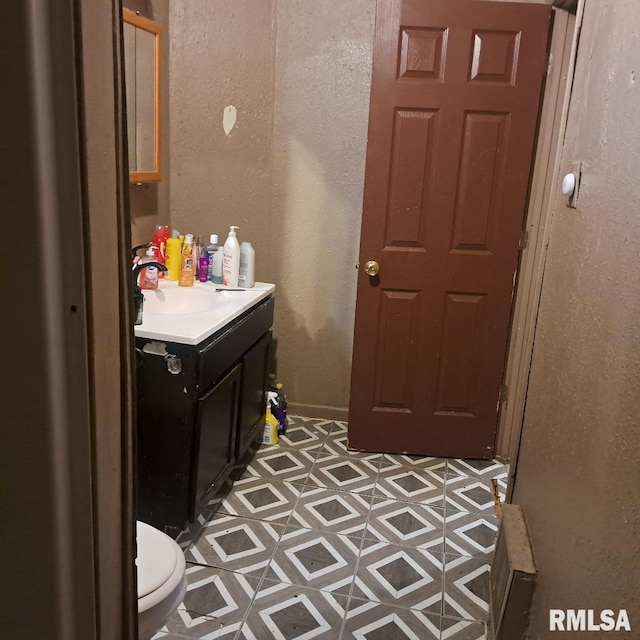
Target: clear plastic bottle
214, 253
198, 251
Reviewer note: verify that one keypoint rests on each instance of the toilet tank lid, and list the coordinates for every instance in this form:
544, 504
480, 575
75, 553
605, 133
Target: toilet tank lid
156, 558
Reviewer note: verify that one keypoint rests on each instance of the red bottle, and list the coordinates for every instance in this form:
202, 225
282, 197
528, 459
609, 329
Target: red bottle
159, 241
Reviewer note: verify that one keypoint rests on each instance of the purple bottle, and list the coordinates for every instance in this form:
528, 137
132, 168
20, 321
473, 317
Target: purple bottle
203, 268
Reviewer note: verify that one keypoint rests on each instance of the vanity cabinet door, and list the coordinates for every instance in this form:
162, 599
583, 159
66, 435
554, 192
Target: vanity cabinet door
216, 435
252, 395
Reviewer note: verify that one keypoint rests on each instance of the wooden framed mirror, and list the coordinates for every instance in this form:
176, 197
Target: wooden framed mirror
142, 59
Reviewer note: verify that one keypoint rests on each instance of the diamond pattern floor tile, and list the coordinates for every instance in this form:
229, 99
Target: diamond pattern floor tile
345, 473
400, 576
303, 437
413, 485
336, 445
339, 427
236, 544
470, 534
375, 621
477, 468
331, 510
415, 462
279, 463
215, 604
287, 612
408, 524
452, 629
463, 493
316, 423
262, 499
310, 540
315, 559
466, 587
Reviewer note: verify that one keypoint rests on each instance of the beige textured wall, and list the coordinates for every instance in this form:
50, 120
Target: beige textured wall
222, 54
320, 132
578, 477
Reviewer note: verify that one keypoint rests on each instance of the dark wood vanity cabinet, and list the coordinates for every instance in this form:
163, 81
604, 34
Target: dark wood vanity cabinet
198, 409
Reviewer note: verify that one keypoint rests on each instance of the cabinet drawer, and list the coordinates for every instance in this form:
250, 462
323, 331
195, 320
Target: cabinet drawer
219, 355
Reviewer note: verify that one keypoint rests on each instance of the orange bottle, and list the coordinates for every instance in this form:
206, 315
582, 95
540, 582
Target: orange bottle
188, 266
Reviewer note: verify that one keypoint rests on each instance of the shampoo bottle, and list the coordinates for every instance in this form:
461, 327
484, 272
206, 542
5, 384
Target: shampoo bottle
158, 246
231, 259
149, 275
188, 267
203, 267
174, 258
198, 252
246, 277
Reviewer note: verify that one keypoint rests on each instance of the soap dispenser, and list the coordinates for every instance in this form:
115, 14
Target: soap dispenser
231, 259
149, 275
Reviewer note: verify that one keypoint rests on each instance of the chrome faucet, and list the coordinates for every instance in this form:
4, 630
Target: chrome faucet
138, 298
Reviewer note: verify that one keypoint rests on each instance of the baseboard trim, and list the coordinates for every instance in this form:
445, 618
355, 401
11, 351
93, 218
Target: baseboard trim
318, 411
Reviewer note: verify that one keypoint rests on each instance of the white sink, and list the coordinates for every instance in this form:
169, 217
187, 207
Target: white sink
190, 314
169, 299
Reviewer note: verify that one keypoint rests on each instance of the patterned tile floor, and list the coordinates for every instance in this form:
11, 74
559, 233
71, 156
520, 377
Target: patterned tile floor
314, 541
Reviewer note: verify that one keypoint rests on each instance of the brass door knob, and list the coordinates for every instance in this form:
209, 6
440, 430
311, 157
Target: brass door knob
371, 268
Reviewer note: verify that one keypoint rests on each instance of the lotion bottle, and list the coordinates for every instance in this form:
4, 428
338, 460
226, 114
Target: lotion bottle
246, 277
231, 259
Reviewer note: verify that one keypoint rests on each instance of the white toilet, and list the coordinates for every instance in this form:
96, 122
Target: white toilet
162, 581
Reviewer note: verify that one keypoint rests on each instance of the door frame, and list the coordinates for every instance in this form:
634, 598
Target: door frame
544, 189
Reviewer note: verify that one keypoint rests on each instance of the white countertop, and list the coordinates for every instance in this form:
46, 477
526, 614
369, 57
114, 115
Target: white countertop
193, 328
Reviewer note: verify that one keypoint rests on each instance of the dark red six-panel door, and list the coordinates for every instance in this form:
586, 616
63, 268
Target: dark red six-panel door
454, 103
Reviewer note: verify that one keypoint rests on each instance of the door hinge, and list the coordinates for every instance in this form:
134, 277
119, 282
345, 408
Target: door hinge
524, 240
549, 64
504, 393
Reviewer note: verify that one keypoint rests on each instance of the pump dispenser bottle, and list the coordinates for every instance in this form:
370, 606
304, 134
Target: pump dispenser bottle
149, 275
231, 259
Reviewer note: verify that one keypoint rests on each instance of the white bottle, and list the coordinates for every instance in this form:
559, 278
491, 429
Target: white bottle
246, 277
231, 259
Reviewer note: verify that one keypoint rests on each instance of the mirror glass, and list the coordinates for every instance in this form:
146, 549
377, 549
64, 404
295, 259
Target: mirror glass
142, 81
